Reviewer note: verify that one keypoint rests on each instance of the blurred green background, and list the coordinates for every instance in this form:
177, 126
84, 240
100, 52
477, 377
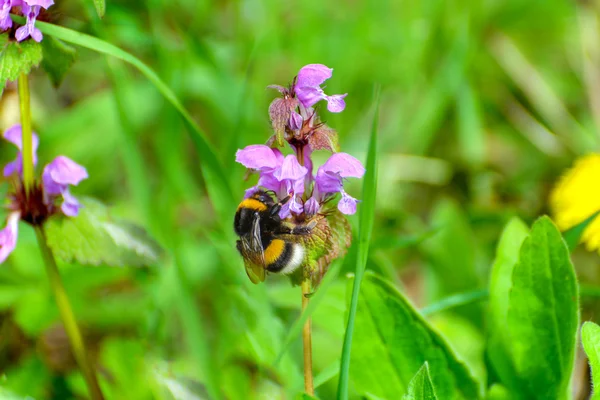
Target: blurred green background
483, 105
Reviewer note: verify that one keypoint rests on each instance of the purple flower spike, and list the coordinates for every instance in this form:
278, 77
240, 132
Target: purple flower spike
29, 28
57, 177
8, 236
330, 178
308, 88
5, 20
14, 135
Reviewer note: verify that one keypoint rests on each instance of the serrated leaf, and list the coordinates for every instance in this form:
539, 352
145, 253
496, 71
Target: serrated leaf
58, 58
590, 337
421, 386
100, 6
543, 315
395, 342
507, 256
17, 58
94, 238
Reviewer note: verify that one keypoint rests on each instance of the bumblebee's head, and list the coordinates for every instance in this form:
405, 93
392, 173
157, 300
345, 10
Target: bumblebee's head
258, 206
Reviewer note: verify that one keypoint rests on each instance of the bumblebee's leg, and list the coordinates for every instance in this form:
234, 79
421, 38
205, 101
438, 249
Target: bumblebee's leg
301, 229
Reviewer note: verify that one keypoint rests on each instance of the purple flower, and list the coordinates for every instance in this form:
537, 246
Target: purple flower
8, 235
14, 135
308, 88
29, 29
283, 175
58, 176
330, 176
5, 20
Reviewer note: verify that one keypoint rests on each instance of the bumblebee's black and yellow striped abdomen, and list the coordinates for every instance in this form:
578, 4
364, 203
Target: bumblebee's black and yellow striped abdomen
283, 256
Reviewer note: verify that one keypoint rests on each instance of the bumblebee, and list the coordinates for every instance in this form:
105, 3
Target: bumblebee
268, 243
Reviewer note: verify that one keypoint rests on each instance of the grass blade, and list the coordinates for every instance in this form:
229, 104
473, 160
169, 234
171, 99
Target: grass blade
367, 215
217, 182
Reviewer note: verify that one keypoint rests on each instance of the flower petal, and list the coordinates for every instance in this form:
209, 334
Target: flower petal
311, 206
347, 204
62, 171
290, 169
36, 34
328, 182
22, 33
295, 205
14, 135
336, 103
70, 206
345, 165
313, 75
309, 95
295, 121
258, 156
8, 236
13, 167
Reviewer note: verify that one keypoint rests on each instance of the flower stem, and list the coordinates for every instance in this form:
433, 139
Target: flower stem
69, 321
307, 341
27, 149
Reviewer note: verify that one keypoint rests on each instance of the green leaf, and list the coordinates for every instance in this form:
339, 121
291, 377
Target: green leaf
507, 256
17, 58
58, 58
573, 235
421, 386
367, 216
94, 237
590, 337
395, 342
100, 7
543, 314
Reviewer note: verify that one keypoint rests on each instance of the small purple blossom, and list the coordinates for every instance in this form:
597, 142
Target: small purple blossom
330, 180
8, 235
29, 29
308, 88
61, 173
283, 175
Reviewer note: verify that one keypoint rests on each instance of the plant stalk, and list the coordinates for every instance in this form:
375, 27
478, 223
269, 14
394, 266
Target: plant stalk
307, 342
68, 318
26, 133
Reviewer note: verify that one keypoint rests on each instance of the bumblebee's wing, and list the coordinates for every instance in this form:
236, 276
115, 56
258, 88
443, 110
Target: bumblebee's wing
255, 272
252, 260
256, 241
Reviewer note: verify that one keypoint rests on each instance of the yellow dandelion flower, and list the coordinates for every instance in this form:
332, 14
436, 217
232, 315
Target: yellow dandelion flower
576, 197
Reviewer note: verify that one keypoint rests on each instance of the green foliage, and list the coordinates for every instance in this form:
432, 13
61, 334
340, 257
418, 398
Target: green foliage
590, 337
17, 58
507, 256
100, 6
94, 237
540, 309
421, 386
483, 106
58, 59
367, 217
395, 342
